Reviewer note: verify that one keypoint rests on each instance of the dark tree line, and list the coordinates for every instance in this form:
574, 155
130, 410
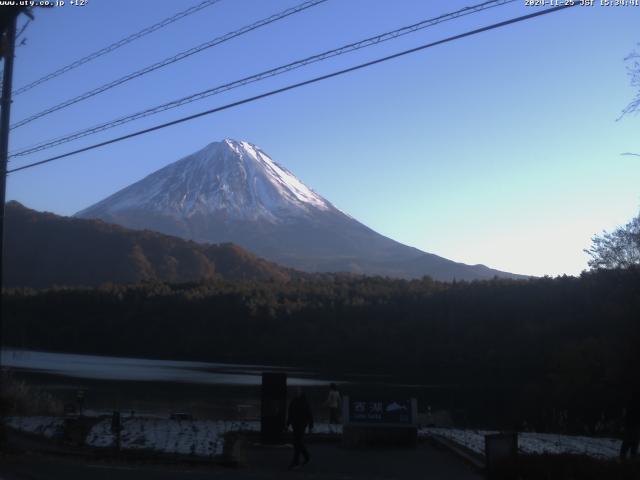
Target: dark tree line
548, 345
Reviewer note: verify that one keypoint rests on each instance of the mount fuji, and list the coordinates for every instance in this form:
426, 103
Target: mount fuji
232, 191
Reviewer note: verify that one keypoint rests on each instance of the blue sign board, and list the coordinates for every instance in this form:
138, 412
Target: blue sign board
380, 411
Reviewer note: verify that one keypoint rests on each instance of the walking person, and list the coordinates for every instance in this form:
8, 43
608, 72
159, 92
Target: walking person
334, 402
631, 427
299, 417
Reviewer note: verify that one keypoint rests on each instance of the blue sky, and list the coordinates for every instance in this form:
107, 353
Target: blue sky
502, 148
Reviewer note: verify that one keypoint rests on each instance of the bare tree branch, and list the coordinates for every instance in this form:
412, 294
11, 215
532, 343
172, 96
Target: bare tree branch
633, 71
617, 249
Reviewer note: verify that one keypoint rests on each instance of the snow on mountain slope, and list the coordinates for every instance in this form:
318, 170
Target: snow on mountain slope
232, 191
230, 177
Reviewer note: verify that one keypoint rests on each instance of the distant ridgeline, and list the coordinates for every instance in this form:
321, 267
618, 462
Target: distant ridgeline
542, 346
43, 249
232, 191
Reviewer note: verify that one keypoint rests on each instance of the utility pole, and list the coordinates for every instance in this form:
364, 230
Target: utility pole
8, 50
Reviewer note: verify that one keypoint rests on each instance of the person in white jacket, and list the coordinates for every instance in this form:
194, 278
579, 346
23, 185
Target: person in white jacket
334, 402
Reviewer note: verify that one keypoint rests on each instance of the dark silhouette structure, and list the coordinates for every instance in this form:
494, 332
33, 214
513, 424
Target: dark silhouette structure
631, 427
273, 405
299, 418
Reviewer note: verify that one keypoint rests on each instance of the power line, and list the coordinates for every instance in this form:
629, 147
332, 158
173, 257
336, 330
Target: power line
110, 48
261, 76
21, 31
297, 85
168, 61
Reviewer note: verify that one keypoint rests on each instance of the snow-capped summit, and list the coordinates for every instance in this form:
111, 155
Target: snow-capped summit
230, 178
232, 191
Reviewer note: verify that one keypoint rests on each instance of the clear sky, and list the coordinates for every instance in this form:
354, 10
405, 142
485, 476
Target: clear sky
502, 148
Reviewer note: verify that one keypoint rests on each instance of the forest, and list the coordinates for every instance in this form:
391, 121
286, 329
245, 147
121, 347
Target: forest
557, 353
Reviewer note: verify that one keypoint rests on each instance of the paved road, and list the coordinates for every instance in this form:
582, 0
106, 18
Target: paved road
332, 461
329, 461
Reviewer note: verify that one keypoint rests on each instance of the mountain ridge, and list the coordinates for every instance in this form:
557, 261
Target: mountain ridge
43, 249
232, 191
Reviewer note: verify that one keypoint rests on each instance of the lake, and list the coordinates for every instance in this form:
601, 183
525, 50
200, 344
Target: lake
160, 387
96, 367
227, 391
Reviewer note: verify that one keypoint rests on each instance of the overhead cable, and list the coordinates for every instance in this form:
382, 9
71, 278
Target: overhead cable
114, 46
170, 60
295, 86
261, 76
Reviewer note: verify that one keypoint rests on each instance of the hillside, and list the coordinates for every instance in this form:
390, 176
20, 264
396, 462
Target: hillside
43, 249
232, 191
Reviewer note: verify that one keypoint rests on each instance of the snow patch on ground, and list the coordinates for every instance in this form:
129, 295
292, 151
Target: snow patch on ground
327, 429
205, 438
202, 438
47, 427
532, 443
